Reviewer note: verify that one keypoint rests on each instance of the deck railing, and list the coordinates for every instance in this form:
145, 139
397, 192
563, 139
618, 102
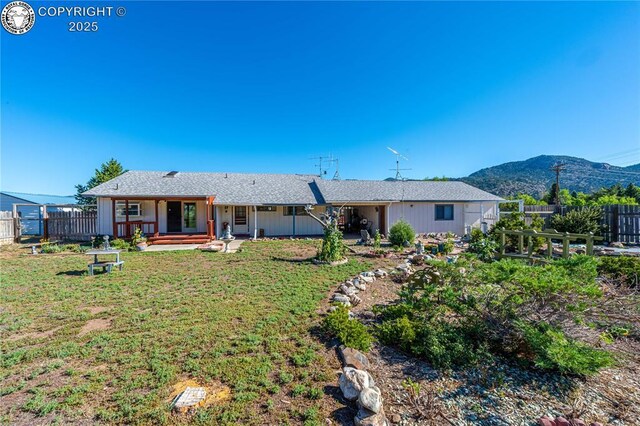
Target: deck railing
549, 235
127, 229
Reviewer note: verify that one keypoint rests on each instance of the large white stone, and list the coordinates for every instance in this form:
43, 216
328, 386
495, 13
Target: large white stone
371, 399
352, 382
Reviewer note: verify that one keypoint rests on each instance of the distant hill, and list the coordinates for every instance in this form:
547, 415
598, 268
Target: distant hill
534, 176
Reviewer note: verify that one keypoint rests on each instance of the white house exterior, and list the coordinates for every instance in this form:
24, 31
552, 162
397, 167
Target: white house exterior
189, 207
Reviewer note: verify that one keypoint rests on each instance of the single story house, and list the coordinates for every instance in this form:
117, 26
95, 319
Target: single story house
193, 207
29, 207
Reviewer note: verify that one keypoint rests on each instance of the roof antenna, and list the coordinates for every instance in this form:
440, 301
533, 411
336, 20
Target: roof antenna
319, 165
398, 157
336, 175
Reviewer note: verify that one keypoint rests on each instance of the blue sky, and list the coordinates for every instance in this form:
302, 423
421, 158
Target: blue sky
262, 87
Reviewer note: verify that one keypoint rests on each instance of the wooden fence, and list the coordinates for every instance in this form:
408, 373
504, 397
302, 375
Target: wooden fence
76, 225
7, 228
620, 222
549, 235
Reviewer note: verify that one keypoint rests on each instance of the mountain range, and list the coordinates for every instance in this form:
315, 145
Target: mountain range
534, 176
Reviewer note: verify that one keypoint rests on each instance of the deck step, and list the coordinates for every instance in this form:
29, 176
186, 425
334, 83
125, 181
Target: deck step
175, 241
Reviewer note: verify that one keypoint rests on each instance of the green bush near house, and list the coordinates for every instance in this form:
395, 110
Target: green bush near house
333, 248
579, 221
401, 233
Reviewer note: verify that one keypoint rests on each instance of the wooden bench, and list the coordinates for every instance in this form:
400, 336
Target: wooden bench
106, 266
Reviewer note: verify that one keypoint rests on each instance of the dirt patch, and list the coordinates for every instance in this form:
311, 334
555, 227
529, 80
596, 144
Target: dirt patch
94, 310
34, 335
95, 325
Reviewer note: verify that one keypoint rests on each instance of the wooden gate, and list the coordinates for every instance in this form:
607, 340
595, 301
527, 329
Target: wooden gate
622, 223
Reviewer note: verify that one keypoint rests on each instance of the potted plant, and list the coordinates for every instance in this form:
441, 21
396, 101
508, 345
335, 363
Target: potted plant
139, 240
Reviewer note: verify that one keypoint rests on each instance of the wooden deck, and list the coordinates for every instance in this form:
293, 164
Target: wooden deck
198, 238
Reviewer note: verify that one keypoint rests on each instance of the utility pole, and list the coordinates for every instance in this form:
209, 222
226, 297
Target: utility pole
557, 168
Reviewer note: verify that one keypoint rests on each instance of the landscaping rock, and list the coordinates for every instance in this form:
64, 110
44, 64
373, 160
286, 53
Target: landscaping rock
395, 418
361, 286
355, 300
369, 418
368, 274
352, 381
346, 290
353, 358
343, 299
561, 421
371, 399
380, 273
367, 279
578, 422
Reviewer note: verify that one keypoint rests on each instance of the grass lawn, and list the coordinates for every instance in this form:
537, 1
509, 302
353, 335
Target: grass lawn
110, 348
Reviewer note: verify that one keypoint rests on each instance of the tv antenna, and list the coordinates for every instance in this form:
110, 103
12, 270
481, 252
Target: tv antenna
336, 175
398, 157
320, 159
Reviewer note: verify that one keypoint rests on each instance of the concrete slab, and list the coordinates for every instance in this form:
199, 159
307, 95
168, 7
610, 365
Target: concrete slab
172, 247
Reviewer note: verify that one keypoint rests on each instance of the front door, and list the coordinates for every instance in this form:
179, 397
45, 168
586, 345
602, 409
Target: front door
382, 220
189, 217
240, 220
174, 216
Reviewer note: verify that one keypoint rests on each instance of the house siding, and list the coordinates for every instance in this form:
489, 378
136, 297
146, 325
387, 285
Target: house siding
274, 223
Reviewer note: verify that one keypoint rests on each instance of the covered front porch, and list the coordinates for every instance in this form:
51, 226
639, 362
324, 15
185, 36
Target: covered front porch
167, 220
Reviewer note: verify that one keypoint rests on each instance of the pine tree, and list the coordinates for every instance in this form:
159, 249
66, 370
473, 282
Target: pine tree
106, 172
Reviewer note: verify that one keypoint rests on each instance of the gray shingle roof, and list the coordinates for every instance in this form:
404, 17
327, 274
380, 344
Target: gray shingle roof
282, 189
371, 190
228, 188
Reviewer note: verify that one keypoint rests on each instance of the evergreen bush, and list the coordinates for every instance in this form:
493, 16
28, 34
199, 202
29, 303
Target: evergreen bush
401, 233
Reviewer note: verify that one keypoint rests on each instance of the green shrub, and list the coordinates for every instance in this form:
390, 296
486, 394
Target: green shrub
621, 267
377, 240
448, 246
401, 233
516, 221
483, 247
463, 313
351, 333
476, 235
555, 351
333, 248
120, 244
51, 248
579, 221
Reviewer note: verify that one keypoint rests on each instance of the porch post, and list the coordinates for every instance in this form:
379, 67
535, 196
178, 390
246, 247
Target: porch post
255, 222
126, 215
113, 218
156, 229
293, 210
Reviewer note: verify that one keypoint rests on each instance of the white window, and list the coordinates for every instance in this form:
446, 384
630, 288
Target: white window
135, 210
